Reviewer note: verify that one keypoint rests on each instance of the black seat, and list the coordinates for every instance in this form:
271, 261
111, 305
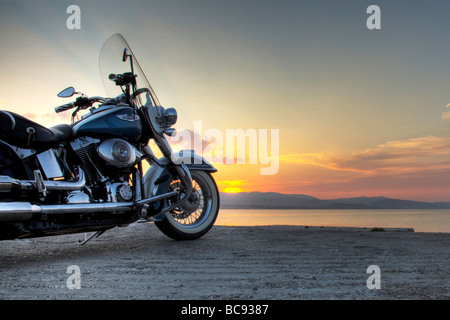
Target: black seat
24, 133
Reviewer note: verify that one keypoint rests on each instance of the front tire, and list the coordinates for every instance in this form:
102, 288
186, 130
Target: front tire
181, 225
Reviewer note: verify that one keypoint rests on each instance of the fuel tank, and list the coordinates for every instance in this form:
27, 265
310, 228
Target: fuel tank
110, 122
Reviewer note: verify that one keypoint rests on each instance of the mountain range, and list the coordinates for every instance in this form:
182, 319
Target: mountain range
273, 200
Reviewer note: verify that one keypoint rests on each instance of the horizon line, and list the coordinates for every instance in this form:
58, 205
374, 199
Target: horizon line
351, 197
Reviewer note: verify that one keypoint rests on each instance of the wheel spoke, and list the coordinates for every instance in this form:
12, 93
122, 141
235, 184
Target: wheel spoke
191, 218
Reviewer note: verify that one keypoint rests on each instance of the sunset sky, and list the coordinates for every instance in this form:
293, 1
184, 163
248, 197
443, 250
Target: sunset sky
359, 112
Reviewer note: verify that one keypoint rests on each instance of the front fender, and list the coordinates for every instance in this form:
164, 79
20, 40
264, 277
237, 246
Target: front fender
194, 161
157, 172
158, 177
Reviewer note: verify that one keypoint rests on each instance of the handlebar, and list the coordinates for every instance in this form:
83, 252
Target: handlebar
81, 103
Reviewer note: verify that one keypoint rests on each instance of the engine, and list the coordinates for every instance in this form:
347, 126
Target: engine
117, 153
107, 166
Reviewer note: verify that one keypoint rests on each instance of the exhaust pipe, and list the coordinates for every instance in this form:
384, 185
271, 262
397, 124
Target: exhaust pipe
8, 184
20, 211
17, 211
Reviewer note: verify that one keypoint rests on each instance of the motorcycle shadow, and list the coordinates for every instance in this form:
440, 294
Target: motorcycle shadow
138, 240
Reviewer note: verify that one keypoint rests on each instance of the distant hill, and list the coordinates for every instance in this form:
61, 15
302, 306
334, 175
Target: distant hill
273, 200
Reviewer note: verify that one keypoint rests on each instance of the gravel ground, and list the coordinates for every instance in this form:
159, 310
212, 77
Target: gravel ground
233, 263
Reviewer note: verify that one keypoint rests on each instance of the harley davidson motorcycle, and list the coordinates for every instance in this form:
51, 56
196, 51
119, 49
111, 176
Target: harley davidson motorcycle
88, 176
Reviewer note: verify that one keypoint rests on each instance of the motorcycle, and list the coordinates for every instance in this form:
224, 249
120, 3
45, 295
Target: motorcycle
88, 176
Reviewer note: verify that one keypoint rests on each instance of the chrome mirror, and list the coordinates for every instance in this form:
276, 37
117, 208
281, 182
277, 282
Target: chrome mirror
66, 93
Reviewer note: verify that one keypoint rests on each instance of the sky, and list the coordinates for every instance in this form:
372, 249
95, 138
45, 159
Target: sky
349, 111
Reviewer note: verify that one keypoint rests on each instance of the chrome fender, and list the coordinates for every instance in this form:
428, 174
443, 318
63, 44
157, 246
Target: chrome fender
185, 159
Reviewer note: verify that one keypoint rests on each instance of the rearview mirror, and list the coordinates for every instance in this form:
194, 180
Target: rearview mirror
125, 55
66, 93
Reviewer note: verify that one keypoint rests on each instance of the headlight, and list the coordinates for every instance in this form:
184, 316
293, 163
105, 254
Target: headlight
170, 117
161, 119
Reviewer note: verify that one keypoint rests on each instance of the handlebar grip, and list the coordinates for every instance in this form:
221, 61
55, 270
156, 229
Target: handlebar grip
116, 77
119, 79
64, 107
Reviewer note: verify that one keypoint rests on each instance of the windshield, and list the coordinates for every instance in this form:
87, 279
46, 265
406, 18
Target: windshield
116, 57
111, 61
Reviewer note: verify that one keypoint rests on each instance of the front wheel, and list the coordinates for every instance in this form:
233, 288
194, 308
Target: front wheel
197, 214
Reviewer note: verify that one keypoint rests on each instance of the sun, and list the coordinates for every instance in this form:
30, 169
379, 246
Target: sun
232, 190
230, 186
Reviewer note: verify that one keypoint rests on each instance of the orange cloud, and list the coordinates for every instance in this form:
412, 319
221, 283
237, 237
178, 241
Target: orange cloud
49, 119
423, 153
417, 169
328, 160
393, 157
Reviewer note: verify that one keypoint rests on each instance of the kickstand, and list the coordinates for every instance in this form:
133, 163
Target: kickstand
86, 238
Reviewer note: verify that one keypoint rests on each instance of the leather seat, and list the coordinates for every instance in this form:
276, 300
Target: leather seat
24, 133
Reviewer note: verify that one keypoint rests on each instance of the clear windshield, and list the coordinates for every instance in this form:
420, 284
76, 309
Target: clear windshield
111, 61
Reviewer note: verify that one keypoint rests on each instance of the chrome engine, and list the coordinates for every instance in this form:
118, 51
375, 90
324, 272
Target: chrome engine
117, 152
107, 165
78, 197
119, 192
85, 148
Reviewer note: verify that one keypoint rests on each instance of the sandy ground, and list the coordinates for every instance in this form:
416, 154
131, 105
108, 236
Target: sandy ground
275, 262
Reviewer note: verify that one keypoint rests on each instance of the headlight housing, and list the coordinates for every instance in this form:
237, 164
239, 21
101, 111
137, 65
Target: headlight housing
170, 117
162, 119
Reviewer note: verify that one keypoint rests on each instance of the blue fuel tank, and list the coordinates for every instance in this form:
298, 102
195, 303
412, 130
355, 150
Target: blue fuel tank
110, 122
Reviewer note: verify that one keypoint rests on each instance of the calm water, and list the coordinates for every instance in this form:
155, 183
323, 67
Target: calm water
419, 220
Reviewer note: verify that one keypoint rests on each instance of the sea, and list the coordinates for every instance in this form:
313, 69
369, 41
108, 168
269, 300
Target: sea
431, 220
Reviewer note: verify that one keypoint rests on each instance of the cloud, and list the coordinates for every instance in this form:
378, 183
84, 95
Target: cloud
210, 147
391, 158
188, 139
417, 169
445, 115
49, 119
401, 154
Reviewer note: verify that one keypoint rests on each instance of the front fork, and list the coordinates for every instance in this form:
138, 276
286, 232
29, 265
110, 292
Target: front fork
159, 176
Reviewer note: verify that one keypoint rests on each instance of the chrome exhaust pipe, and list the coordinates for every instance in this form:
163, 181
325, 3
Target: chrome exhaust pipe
17, 211
86, 207
20, 211
8, 184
